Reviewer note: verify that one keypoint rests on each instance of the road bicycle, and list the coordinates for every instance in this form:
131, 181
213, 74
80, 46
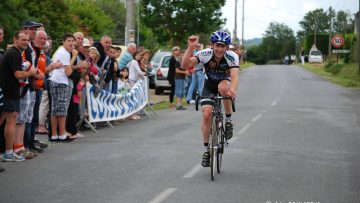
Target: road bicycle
217, 139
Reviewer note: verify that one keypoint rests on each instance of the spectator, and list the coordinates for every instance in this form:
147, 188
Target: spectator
128, 55
103, 47
80, 65
59, 88
1, 40
197, 80
123, 82
91, 40
145, 58
171, 73
27, 104
180, 81
10, 72
110, 69
302, 56
2, 144
45, 100
135, 72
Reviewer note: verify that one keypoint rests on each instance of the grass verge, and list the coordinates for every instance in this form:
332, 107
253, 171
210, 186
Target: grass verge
346, 75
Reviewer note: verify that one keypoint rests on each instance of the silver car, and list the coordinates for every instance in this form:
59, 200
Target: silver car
160, 63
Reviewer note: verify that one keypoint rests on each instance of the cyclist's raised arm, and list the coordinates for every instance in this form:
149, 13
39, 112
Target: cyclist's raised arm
188, 60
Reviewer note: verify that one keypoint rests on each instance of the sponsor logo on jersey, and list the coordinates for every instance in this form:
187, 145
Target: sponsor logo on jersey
212, 64
204, 53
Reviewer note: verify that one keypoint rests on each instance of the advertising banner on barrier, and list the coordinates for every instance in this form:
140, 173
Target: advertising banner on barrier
107, 107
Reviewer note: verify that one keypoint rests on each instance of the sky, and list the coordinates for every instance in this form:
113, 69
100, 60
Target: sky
259, 13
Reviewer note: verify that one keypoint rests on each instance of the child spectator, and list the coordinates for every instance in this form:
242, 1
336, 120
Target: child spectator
123, 82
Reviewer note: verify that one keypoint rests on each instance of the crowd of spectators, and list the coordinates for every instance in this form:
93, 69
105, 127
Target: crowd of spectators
36, 86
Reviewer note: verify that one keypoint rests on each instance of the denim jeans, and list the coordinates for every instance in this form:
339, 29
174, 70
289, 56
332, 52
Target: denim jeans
196, 81
180, 88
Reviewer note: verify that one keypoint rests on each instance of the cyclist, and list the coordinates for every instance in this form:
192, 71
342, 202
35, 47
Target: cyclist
221, 75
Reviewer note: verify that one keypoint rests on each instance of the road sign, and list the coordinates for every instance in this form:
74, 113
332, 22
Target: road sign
340, 51
337, 41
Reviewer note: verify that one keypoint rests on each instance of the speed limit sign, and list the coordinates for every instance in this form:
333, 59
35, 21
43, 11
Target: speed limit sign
337, 41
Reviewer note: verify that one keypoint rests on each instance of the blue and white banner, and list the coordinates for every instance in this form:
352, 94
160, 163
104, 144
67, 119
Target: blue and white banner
108, 107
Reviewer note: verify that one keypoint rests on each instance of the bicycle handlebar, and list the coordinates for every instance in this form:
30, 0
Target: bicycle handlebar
212, 97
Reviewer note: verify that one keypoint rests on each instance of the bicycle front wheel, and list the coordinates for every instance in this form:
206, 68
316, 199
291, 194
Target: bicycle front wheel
213, 145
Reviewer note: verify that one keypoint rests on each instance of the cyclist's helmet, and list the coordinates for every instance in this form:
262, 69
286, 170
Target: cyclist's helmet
220, 37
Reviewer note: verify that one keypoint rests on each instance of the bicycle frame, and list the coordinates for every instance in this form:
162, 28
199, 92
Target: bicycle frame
217, 133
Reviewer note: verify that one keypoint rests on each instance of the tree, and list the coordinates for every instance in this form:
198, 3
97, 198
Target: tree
172, 21
55, 16
11, 18
116, 10
90, 19
278, 41
344, 23
315, 21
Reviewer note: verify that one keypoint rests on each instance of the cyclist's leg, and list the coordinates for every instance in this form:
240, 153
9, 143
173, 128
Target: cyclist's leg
224, 87
206, 122
206, 106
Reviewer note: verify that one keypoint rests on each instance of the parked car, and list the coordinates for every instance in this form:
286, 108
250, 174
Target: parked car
160, 63
315, 56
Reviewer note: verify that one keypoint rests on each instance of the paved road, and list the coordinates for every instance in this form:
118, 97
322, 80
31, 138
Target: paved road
297, 140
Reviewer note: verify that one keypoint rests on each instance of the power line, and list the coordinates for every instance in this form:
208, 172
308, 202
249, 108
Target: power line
284, 11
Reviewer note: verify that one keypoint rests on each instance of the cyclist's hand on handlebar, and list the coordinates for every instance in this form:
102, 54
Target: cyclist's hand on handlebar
232, 92
192, 41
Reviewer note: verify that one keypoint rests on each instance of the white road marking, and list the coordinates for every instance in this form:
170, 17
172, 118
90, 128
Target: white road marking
257, 117
274, 103
193, 171
163, 195
244, 129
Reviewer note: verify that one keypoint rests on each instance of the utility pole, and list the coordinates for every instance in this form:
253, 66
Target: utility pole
242, 32
138, 23
330, 35
235, 27
130, 23
358, 38
315, 31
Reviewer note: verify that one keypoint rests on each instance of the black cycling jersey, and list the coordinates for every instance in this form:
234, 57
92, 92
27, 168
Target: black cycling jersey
214, 71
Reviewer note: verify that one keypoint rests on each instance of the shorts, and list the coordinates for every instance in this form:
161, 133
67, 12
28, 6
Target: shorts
179, 88
211, 87
10, 105
60, 98
27, 104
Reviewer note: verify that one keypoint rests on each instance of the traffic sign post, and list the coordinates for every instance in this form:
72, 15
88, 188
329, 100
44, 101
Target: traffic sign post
337, 41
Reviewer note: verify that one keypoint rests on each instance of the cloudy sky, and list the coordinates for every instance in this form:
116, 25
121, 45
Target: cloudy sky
259, 13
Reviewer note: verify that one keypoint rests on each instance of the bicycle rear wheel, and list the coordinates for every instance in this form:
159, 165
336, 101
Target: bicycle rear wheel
213, 145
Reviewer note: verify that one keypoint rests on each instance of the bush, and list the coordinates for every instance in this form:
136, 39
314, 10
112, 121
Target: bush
333, 68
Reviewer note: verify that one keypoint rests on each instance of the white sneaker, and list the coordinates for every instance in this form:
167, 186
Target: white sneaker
192, 101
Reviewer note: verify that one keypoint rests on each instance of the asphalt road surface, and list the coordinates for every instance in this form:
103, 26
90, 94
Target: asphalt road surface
297, 139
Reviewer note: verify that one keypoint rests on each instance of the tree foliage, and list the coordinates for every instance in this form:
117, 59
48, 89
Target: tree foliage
315, 21
11, 18
171, 20
279, 40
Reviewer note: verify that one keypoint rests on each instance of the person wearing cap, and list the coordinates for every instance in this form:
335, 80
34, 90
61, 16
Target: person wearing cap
29, 95
171, 73
222, 76
31, 27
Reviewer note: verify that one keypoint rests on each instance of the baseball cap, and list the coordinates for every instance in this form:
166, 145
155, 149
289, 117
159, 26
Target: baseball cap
86, 42
31, 23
